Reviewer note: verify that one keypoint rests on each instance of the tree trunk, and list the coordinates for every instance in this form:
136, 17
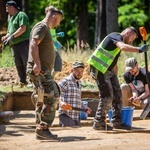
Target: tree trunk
100, 29
106, 19
25, 6
112, 16
82, 28
3, 14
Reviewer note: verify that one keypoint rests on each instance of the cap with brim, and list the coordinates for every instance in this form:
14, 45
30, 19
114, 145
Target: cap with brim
78, 65
130, 64
12, 3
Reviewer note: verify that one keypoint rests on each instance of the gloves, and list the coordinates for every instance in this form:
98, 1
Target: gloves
9, 40
65, 106
143, 48
60, 34
57, 45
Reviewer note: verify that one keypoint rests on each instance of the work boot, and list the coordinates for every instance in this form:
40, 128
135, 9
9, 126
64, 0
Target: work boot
117, 125
45, 134
104, 127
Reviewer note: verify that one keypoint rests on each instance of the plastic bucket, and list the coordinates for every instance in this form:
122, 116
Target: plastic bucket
93, 104
83, 115
127, 115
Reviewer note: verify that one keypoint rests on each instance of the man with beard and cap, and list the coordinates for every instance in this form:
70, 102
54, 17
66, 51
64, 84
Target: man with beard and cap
136, 89
70, 88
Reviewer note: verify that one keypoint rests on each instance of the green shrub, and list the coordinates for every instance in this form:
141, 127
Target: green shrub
6, 58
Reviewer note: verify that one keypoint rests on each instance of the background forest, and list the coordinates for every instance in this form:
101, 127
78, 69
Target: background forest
86, 23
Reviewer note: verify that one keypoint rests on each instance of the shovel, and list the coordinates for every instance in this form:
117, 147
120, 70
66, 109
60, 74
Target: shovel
79, 109
147, 107
146, 111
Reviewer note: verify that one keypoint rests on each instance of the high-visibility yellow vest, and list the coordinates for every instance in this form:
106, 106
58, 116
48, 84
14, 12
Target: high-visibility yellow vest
101, 59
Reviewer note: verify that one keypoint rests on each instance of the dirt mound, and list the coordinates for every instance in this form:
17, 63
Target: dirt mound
66, 69
9, 75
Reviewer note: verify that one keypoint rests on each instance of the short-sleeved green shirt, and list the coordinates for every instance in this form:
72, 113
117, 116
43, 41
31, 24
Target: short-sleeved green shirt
46, 50
17, 21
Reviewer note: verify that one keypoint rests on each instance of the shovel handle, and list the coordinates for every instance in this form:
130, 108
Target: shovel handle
80, 109
143, 33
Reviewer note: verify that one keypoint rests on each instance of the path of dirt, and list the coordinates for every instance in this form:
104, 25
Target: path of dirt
18, 134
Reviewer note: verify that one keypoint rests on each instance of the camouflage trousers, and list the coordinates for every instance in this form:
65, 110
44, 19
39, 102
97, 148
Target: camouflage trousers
110, 97
45, 108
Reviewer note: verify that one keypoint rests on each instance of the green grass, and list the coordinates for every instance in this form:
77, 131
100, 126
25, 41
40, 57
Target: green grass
7, 60
73, 55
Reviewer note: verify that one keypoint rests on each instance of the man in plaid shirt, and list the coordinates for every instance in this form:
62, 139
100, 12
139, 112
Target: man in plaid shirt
70, 88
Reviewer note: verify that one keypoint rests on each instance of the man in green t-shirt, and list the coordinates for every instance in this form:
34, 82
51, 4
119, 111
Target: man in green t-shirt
18, 37
40, 64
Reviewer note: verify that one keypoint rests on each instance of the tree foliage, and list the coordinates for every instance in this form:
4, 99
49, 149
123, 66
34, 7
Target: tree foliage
132, 13
69, 23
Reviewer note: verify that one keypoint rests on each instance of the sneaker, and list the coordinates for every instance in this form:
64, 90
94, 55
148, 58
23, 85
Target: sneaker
117, 125
105, 127
45, 134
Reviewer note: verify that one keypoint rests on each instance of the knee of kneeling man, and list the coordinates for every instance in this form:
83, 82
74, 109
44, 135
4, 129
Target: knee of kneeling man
124, 86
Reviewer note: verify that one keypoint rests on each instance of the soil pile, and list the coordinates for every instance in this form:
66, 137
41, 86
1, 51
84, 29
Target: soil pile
66, 69
9, 76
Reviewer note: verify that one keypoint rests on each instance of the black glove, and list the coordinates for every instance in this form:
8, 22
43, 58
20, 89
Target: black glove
143, 48
9, 40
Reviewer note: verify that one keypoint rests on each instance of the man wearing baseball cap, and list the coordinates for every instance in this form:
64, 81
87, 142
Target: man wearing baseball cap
70, 88
17, 37
12, 3
136, 89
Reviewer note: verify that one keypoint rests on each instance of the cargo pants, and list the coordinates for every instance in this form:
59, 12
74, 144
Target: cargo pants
110, 97
45, 111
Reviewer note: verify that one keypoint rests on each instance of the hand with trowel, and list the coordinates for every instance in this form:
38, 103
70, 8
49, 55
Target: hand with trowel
134, 100
135, 90
66, 106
